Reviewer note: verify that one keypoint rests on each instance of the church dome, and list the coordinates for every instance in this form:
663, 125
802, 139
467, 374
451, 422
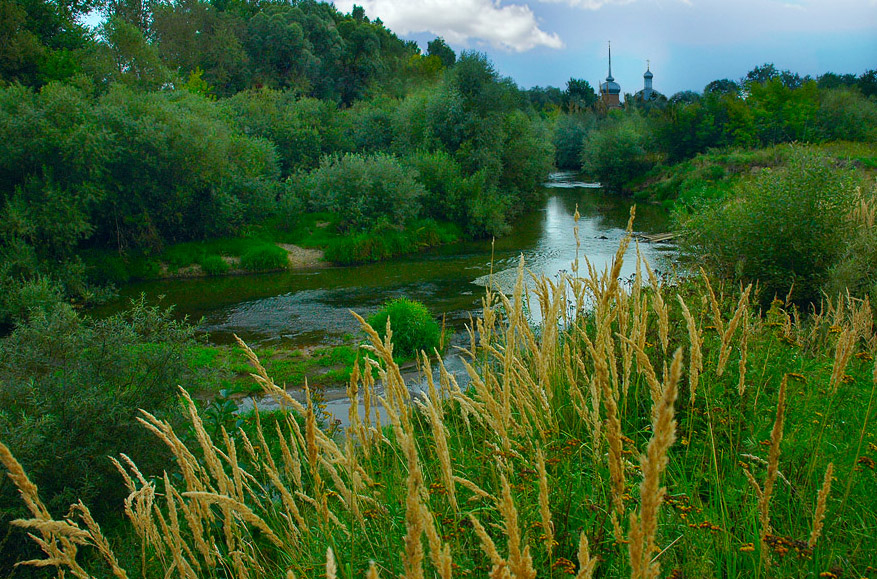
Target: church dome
610, 86
648, 74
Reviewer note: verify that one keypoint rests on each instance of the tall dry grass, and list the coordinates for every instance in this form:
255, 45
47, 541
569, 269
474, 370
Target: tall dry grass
530, 469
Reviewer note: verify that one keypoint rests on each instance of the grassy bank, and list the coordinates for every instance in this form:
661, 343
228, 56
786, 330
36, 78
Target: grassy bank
266, 248
673, 431
713, 176
224, 368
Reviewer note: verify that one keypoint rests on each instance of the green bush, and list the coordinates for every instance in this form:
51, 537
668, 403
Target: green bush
363, 190
619, 152
22, 299
413, 327
785, 229
70, 393
265, 257
214, 265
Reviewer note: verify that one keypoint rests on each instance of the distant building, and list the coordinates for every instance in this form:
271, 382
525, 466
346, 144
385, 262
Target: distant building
648, 93
610, 90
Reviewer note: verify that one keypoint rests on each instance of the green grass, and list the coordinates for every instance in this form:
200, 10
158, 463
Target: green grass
386, 243
527, 402
227, 368
712, 176
257, 248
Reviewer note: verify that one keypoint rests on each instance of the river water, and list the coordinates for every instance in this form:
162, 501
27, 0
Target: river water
299, 308
312, 307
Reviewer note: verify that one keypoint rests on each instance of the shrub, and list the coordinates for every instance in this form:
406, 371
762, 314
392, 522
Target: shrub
856, 270
363, 190
214, 265
70, 393
22, 299
413, 327
266, 257
619, 152
785, 229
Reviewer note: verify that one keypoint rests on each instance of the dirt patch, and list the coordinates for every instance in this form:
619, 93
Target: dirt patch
301, 257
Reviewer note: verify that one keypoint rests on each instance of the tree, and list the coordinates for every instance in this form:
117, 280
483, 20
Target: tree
685, 97
619, 152
868, 83
580, 94
831, 80
722, 86
570, 132
438, 47
42, 39
762, 74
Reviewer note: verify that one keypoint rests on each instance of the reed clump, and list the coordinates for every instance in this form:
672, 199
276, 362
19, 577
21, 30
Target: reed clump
643, 429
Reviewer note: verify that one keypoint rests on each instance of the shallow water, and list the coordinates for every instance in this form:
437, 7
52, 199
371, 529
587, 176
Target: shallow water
312, 306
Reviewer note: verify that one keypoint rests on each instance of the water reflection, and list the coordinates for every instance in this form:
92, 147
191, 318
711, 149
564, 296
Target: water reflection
307, 307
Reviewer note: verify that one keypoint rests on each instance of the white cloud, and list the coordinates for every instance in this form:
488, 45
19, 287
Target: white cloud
511, 27
591, 4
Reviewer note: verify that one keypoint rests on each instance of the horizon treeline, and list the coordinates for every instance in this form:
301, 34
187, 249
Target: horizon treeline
765, 108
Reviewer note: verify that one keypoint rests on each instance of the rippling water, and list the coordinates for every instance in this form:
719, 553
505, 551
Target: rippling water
308, 307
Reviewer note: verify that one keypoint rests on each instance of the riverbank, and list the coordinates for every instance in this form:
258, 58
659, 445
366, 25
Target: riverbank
713, 176
313, 242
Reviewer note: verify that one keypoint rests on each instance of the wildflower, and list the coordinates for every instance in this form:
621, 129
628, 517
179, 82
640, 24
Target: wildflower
564, 565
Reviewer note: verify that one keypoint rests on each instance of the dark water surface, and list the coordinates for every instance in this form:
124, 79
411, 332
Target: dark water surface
311, 306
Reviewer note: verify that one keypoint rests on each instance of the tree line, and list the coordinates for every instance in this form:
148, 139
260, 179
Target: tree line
765, 108
195, 120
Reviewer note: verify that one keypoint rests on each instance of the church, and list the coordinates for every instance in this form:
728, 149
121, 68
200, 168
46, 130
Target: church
610, 91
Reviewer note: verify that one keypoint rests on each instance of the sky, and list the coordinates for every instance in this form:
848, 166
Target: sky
688, 43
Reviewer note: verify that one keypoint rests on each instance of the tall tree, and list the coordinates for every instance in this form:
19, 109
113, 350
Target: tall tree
580, 94
438, 47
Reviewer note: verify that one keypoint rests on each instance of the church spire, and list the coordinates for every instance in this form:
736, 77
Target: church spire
610, 62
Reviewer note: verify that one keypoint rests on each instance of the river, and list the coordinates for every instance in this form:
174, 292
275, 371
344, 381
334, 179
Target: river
307, 307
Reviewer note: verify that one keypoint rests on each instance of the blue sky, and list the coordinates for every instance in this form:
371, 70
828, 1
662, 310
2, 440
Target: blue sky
689, 42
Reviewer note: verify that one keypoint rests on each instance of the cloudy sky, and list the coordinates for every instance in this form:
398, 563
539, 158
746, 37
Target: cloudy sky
689, 42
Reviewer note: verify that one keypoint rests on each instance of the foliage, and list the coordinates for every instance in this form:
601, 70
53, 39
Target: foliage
570, 132
619, 152
580, 94
414, 329
70, 392
785, 229
363, 190
439, 48
265, 257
